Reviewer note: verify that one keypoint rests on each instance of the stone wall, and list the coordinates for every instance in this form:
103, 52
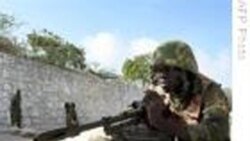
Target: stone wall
45, 89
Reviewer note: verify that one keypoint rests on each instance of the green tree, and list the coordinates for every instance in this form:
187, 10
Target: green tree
7, 22
8, 43
10, 46
51, 48
137, 69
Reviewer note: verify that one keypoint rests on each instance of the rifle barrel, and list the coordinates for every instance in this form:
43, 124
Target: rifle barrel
65, 132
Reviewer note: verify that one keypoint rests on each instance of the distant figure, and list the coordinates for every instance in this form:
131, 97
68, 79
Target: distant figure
15, 110
71, 115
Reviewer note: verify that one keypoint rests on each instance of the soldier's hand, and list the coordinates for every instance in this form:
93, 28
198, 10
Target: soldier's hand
151, 97
154, 106
159, 116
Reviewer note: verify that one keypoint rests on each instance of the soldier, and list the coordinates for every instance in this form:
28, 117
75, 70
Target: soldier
181, 104
71, 115
15, 110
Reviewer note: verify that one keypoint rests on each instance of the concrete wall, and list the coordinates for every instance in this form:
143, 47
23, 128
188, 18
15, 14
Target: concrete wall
45, 89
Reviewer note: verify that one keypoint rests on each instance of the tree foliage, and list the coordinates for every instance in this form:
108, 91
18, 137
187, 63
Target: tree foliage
9, 44
137, 69
53, 49
6, 22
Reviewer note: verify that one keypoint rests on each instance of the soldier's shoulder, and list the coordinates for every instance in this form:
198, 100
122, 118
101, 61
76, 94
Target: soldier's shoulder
208, 82
213, 95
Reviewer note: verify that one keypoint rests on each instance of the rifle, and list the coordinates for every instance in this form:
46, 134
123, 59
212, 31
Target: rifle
132, 116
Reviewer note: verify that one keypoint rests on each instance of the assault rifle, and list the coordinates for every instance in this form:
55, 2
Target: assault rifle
134, 115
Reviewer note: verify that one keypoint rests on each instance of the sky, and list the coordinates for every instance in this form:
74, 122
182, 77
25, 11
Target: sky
111, 31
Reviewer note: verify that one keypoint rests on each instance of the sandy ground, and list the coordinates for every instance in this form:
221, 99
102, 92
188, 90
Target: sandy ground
96, 134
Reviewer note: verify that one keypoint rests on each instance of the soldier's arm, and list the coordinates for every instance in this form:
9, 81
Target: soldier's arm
214, 124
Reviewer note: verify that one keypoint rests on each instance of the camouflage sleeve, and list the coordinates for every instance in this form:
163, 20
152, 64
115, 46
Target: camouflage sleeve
214, 123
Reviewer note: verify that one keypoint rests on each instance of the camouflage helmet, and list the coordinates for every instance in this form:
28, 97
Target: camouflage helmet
176, 53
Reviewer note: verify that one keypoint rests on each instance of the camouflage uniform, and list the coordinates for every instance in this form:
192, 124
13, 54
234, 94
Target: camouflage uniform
211, 121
